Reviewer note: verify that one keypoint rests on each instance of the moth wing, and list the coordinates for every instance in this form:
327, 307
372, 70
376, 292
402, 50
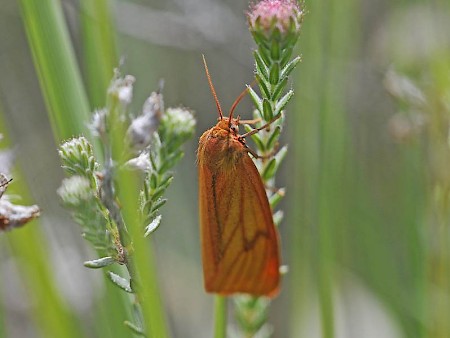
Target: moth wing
239, 239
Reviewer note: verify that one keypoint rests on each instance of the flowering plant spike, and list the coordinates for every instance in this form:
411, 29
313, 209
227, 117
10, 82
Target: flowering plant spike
275, 26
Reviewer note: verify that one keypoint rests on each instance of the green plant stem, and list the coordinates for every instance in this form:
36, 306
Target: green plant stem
220, 314
141, 262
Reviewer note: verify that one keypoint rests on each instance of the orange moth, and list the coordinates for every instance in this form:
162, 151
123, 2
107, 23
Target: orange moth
240, 249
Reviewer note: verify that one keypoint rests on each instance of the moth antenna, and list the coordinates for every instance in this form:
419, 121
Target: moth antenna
239, 98
211, 86
236, 102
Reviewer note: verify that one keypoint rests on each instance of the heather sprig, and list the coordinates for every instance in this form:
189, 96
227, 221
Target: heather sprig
275, 26
151, 144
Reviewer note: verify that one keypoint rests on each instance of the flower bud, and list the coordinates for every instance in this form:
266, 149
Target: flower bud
78, 157
122, 87
75, 190
267, 16
98, 123
141, 162
177, 124
141, 129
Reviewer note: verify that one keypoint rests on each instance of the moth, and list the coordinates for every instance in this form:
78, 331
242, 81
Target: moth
240, 244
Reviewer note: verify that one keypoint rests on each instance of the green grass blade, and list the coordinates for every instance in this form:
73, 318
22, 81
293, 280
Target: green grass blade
322, 151
99, 48
56, 66
29, 248
154, 317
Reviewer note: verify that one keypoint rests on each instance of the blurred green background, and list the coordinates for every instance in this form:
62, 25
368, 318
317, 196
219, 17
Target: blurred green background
366, 233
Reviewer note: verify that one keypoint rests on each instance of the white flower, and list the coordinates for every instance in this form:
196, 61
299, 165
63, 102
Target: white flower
75, 189
142, 162
98, 123
142, 127
122, 87
180, 120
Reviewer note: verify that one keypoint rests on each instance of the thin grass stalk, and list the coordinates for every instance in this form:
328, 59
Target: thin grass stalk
143, 260
321, 150
438, 227
56, 66
99, 48
29, 247
68, 110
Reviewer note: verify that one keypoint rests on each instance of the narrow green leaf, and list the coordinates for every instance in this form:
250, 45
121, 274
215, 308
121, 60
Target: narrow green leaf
99, 263
264, 55
283, 102
260, 39
290, 67
166, 182
269, 170
153, 180
121, 282
267, 110
170, 162
278, 90
286, 56
153, 225
278, 217
280, 156
263, 85
290, 40
158, 193
275, 50
158, 204
134, 328
261, 67
277, 197
273, 138
274, 76
153, 160
256, 100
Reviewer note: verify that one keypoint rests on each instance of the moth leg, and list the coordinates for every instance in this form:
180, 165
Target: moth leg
251, 151
254, 131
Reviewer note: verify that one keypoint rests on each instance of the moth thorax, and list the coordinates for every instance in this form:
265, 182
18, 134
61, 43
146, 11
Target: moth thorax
225, 124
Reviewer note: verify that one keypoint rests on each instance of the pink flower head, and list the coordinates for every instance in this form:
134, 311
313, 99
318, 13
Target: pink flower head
286, 15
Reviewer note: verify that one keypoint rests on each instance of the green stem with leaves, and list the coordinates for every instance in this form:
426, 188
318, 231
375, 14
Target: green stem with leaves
114, 212
275, 31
